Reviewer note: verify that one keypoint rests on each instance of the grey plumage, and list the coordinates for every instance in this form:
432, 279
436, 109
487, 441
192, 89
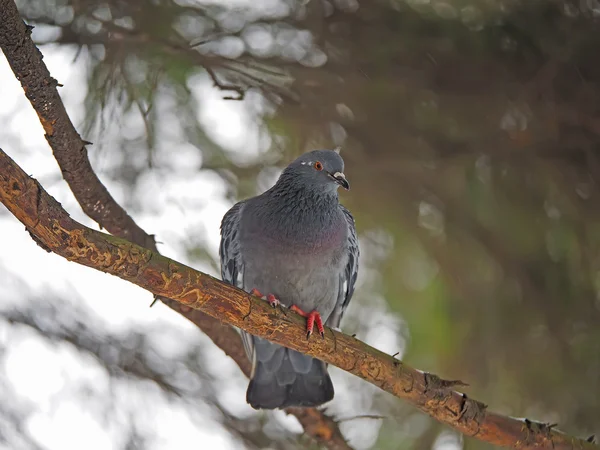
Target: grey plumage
297, 242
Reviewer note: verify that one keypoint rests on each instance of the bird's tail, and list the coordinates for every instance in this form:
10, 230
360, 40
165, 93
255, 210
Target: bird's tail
282, 377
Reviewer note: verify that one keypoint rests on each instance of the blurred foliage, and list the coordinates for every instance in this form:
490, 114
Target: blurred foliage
158, 365
470, 132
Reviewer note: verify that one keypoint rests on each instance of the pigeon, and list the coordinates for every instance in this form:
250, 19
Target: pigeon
298, 246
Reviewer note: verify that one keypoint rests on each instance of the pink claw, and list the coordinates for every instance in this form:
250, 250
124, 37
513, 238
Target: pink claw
313, 318
273, 301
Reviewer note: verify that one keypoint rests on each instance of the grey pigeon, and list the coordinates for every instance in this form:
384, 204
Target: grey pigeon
298, 245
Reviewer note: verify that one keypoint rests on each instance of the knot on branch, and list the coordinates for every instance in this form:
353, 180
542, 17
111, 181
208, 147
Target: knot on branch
471, 410
439, 389
537, 430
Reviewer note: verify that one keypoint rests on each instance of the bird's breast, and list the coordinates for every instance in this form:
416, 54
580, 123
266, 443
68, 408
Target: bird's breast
301, 269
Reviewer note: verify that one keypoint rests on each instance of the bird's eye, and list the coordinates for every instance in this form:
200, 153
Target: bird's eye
318, 166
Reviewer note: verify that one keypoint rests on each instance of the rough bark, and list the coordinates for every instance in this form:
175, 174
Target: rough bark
53, 229
71, 154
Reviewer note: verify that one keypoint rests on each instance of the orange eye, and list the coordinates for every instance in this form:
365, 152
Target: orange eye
318, 166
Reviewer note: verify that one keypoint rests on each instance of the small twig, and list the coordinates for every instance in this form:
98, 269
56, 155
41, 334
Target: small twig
241, 92
364, 416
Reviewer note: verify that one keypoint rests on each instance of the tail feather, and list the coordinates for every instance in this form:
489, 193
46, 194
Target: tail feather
283, 377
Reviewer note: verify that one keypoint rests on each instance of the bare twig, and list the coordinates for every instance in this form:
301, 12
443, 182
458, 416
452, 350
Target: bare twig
238, 69
45, 218
362, 416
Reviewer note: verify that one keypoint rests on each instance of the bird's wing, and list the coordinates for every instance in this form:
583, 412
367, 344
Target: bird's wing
348, 275
232, 264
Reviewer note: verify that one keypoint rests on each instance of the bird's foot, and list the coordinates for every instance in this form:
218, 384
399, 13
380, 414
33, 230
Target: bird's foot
273, 301
312, 318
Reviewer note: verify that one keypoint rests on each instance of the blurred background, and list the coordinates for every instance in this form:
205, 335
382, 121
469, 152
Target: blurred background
470, 131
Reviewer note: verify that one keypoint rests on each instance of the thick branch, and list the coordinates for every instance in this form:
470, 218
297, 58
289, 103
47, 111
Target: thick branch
69, 149
52, 227
95, 200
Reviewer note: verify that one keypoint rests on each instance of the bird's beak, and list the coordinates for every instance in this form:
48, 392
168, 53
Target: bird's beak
340, 179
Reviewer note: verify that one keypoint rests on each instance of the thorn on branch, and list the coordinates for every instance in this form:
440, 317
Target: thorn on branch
395, 354
591, 439
86, 142
28, 29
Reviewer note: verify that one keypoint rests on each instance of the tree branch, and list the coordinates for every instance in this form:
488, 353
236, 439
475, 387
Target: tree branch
70, 152
52, 227
69, 149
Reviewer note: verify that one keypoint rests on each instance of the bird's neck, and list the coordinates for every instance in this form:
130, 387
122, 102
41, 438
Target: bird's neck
287, 194
300, 213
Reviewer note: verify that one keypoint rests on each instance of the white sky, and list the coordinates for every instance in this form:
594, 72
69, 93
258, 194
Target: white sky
42, 375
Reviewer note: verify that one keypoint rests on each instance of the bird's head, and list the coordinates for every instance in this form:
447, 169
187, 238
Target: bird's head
319, 169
